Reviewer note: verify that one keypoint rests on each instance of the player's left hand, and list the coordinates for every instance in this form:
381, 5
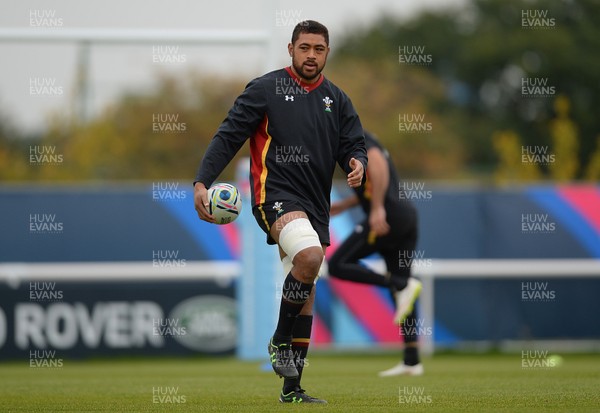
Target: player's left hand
355, 177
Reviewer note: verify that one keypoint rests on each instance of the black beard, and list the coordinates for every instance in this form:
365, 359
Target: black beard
304, 75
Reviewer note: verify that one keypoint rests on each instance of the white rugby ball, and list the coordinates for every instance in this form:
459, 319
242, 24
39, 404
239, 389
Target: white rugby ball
224, 203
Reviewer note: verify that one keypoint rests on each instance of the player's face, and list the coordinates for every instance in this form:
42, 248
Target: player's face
309, 55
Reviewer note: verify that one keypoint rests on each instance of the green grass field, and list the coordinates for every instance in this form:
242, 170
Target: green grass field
452, 383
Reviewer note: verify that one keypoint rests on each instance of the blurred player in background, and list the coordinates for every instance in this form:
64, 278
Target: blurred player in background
390, 229
299, 124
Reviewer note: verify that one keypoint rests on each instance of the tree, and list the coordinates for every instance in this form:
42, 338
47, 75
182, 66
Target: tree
485, 54
159, 134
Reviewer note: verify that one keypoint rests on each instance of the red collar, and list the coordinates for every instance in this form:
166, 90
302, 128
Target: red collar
308, 86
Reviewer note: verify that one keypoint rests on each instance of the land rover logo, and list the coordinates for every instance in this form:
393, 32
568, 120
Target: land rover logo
210, 322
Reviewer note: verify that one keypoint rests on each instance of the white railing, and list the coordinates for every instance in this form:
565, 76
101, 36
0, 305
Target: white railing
426, 270
86, 38
492, 268
15, 273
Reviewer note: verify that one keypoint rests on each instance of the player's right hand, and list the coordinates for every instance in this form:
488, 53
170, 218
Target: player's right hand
378, 222
201, 202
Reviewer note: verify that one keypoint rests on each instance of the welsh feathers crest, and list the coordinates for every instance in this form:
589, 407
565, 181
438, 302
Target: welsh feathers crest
328, 103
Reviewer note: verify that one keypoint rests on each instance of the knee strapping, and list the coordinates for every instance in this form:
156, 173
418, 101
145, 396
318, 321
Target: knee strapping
287, 265
296, 236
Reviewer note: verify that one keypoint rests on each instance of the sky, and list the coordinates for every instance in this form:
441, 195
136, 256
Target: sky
38, 78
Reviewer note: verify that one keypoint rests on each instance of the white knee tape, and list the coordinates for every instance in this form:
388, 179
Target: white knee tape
296, 236
287, 265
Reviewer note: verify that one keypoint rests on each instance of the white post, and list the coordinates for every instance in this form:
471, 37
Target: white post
426, 307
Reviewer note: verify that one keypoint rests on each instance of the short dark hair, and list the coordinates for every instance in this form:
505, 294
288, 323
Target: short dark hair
310, 26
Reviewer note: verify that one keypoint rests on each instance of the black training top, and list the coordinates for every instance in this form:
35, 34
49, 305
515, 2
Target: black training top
297, 133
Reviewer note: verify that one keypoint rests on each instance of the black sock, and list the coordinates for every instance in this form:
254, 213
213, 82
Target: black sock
411, 339
293, 297
411, 356
300, 343
397, 282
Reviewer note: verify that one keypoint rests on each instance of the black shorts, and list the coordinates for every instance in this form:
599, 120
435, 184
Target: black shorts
266, 215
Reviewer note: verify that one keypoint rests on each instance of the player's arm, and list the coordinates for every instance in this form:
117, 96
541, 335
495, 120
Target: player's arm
340, 206
379, 177
242, 120
352, 153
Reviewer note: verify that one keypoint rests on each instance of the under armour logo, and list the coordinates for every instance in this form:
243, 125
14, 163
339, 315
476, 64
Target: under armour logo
288, 97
